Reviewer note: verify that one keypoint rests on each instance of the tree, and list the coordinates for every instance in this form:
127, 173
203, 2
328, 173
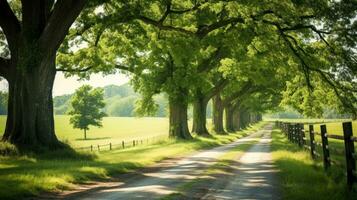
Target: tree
87, 104
30, 35
163, 42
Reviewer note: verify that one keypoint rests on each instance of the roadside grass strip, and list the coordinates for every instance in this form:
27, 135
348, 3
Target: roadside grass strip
300, 177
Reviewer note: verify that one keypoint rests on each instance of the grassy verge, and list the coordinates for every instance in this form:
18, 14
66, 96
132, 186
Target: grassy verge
215, 176
29, 175
303, 178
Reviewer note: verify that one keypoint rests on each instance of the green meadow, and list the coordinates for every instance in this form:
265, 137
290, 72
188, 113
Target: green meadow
333, 126
114, 130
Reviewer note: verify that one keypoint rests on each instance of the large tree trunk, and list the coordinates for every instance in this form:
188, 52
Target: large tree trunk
217, 115
178, 126
229, 118
33, 42
30, 121
244, 118
199, 117
236, 120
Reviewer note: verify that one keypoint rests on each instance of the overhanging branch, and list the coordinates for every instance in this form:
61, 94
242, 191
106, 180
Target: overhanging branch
74, 70
9, 24
62, 17
216, 89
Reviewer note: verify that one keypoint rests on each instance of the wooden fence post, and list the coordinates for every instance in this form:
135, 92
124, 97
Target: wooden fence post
292, 132
296, 134
349, 150
301, 134
289, 131
325, 148
284, 128
91, 147
133, 143
123, 144
312, 141
110, 146
98, 148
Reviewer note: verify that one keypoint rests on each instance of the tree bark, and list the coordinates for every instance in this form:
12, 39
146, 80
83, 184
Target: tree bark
244, 118
217, 113
199, 116
178, 126
30, 121
229, 118
30, 72
236, 120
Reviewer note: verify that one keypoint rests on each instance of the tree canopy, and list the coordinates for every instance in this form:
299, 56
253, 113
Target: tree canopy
247, 56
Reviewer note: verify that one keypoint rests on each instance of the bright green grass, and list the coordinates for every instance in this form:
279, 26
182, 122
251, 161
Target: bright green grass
301, 177
30, 175
114, 130
334, 128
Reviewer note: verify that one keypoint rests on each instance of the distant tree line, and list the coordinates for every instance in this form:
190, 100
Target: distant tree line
3, 102
120, 102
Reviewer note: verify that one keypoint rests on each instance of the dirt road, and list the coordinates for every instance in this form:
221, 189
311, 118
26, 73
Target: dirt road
255, 177
155, 185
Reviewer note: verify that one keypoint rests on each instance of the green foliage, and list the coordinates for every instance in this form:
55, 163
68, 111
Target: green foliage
121, 106
87, 104
7, 149
311, 103
120, 101
124, 90
3, 102
61, 104
163, 45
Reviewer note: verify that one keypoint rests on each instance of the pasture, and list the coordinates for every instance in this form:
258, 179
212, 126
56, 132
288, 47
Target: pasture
114, 130
333, 126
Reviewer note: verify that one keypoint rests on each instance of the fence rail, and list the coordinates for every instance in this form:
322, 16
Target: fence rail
295, 133
122, 145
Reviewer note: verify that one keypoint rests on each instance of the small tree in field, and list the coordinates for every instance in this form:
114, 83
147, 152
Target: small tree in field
87, 104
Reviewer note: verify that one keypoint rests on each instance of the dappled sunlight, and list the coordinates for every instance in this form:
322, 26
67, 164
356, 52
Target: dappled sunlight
61, 169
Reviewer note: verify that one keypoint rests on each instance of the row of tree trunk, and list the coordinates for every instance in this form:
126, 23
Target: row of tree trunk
225, 118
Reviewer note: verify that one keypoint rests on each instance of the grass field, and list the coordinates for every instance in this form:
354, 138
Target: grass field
336, 147
114, 130
303, 178
333, 126
29, 175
